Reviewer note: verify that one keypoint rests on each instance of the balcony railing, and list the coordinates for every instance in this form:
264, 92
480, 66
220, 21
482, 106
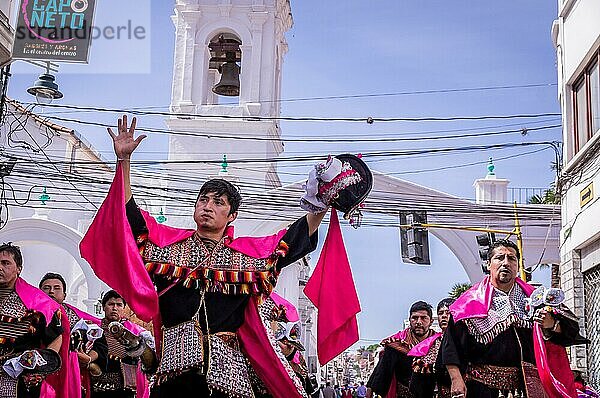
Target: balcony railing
523, 195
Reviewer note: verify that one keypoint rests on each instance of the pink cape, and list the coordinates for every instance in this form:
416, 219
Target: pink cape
56, 384
108, 253
331, 289
421, 349
110, 248
264, 360
551, 359
257, 247
400, 335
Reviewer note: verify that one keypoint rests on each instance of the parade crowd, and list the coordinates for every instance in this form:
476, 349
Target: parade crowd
207, 322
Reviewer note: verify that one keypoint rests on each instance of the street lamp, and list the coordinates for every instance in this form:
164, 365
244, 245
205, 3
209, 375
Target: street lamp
45, 89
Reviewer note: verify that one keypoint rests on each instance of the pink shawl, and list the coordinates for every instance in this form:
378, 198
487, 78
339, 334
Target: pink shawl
82, 314
56, 384
421, 349
331, 289
551, 359
111, 250
257, 247
264, 360
400, 335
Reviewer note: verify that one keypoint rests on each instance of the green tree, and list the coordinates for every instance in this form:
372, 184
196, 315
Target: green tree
373, 347
549, 197
458, 289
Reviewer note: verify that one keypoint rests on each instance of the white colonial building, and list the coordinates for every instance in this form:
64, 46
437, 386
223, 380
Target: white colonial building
576, 36
47, 171
254, 31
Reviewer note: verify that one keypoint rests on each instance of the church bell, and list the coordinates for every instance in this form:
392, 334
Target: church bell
229, 85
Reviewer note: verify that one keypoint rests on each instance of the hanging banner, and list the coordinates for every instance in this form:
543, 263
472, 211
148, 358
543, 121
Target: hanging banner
54, 30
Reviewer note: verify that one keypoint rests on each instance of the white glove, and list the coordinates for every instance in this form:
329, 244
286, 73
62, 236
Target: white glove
28, 360
148, 339
93, 331
322, 172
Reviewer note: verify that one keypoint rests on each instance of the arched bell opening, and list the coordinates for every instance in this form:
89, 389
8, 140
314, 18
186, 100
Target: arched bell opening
224, 66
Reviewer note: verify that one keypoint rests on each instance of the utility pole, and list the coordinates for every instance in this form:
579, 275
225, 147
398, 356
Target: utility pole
4, 76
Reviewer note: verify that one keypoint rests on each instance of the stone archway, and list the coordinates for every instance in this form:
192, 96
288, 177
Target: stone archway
35, 231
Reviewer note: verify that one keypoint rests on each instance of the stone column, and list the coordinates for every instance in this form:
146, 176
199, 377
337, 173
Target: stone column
571, 281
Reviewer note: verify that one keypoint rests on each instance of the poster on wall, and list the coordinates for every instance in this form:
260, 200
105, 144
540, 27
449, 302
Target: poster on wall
54, 30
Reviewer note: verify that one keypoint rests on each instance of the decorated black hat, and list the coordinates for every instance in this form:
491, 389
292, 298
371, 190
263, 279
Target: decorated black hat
349, 189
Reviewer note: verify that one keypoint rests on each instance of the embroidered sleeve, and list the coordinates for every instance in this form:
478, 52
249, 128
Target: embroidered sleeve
53, 330
297, 243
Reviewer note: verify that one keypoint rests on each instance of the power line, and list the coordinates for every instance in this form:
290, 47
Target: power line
216, 135
250, 118
391, 94
402, 93
311, 158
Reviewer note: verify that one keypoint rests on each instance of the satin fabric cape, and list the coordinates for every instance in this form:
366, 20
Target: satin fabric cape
56, 384
291, 312
331, 289
111, 250
551, 359
422, 349
75, 375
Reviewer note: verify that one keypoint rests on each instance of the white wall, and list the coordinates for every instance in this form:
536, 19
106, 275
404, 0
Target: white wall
576, 35
580, 36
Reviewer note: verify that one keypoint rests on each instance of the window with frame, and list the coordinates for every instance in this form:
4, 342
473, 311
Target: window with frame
586, 104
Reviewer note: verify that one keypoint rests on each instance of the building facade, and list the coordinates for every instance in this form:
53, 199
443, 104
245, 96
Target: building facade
252, 33
576, 37
48, 182
7, 31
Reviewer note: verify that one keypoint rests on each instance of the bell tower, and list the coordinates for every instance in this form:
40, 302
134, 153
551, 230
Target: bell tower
227, 83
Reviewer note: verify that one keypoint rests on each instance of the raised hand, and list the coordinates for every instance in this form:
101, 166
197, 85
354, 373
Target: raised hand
124, 143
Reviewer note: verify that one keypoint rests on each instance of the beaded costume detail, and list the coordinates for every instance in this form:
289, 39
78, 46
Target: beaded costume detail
505, 310
221, 270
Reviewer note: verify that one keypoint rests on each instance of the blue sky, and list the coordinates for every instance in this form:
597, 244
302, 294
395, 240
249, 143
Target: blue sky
357, 47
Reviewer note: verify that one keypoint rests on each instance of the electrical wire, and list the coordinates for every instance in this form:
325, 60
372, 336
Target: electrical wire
403, 93
222, 135
299, 118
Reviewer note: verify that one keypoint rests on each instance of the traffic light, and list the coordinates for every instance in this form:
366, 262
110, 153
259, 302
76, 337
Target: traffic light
414, 242
485, 242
